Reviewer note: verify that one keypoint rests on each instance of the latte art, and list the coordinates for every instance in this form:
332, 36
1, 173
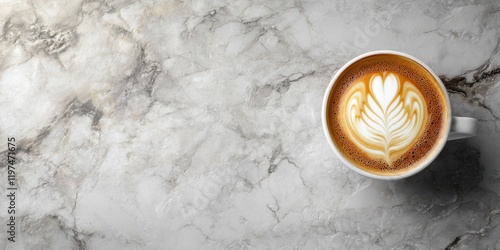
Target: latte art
383, 115
386, 114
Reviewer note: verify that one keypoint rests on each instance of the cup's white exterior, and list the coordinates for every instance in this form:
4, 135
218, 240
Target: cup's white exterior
346, 161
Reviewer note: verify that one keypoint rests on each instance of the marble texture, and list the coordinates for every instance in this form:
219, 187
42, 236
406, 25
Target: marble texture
167, 124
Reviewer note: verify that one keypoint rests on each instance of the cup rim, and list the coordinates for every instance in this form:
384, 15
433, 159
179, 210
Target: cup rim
337, 152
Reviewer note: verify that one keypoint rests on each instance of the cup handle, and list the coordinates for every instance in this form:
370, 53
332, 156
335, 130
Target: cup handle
462, 127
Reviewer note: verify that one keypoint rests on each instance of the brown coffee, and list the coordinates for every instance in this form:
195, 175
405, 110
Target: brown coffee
386, 114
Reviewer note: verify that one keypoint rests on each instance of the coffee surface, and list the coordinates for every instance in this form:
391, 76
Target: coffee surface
386, 114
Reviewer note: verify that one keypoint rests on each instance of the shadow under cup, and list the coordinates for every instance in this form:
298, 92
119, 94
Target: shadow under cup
358, 114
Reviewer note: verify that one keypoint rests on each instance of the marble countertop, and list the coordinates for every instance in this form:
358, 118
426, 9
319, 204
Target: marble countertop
197, 125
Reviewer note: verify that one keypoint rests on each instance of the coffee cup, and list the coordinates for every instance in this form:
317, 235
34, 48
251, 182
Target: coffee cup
387, 115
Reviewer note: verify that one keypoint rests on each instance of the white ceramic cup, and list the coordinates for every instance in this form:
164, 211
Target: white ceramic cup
457, 127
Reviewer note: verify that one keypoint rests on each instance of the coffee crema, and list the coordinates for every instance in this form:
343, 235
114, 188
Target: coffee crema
386, 114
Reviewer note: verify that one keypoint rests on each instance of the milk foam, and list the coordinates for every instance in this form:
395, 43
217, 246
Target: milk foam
384, 116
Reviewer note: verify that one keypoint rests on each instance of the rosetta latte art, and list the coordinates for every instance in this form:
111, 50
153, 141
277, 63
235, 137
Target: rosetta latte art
384, 116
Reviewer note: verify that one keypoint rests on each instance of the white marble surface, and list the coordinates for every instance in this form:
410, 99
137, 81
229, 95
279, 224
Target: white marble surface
196, 125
